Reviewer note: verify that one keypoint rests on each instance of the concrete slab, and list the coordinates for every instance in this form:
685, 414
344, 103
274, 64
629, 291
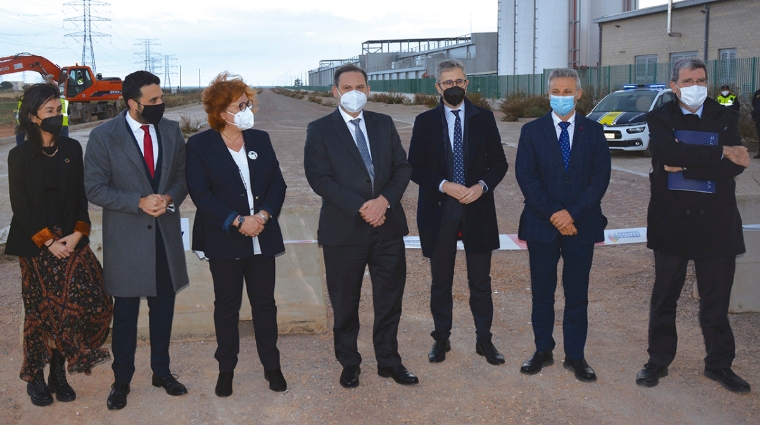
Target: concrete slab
298, 292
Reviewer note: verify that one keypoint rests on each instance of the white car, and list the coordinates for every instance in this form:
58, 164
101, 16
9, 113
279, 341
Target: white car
623, 114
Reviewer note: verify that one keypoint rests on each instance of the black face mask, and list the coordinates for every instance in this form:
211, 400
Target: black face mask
52, 124
454, 95
153, 113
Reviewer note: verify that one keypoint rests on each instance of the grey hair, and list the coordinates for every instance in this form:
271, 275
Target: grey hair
565, 73
447, 65
691, 63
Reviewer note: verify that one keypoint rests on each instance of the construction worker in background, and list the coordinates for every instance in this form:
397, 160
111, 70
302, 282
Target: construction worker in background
64, 130
728, 99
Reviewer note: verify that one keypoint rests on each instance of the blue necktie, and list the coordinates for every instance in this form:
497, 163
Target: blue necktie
361, 143
458, 156
564, 143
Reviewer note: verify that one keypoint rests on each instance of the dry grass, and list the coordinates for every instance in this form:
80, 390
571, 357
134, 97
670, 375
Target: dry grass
519, 105
391, 98
181, 99
429, 100
478, 99
190, 125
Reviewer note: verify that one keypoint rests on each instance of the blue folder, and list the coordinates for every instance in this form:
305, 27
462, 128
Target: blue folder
676, 181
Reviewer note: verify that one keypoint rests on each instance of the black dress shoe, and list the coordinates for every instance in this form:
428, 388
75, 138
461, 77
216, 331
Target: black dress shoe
276, 380
349, 378
728, 379
757, 156
399, 374
582, 370
487, 349
536, 362
38, 391
650, 375
224, 384
437, 354
117, 399
57, 382
170, 384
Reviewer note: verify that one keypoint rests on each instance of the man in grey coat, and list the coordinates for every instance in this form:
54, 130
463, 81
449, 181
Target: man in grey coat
135, 170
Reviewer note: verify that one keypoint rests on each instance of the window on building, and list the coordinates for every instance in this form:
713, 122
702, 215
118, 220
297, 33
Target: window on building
726, 66
675, 57
646, 69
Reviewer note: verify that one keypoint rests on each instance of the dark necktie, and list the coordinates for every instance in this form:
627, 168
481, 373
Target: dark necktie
361, 143
564, 143
148, 149
458, 155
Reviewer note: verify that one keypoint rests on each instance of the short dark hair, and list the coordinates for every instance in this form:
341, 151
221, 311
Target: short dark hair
349, 67
134, 82
34, 97
691, 63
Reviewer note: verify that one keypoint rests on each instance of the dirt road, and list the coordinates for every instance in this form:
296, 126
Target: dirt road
462, 390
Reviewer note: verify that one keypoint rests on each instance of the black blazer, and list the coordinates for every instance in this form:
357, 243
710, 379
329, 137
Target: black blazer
28, 226
430, 162
548, 188
217, 189
336, 172
692, 224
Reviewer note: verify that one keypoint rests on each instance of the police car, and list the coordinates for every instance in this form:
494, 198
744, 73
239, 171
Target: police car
623, 114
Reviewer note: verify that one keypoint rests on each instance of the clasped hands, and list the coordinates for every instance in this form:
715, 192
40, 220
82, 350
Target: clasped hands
739, 155
65, 246
373, 211
252, 226
155, 205
563, 221
465, 195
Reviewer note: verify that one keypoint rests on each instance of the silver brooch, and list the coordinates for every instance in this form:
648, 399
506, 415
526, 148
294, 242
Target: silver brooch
252, 155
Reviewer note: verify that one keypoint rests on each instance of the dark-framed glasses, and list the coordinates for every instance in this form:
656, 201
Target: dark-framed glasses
451, 83
245, 105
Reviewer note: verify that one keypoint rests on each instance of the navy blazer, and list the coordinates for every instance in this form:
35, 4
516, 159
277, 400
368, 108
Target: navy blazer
485, 161
216, 187
548, 188
336, 172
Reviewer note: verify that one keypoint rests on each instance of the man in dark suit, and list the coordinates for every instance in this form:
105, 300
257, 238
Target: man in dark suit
563, 169
457, 160
354, 160
684, 225
135, 169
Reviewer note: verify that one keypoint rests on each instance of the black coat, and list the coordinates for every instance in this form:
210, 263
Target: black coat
692, 224
27, 192
430, 162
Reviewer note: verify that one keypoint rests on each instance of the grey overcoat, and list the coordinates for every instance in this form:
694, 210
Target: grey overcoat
115, 178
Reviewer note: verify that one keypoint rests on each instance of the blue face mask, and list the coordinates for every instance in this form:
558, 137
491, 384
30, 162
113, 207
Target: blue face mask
562, 105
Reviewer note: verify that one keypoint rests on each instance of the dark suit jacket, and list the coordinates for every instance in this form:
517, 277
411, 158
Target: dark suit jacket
217, 189
431, 163
548, 188
336, 172
27, 192
692, 224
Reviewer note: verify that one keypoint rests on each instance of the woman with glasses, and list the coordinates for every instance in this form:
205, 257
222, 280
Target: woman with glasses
66, 308
234, 179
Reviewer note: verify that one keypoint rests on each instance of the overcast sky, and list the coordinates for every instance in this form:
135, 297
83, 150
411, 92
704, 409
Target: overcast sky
267, 42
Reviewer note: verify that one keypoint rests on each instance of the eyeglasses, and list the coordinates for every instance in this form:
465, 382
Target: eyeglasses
691, 82
451, 83
245, 105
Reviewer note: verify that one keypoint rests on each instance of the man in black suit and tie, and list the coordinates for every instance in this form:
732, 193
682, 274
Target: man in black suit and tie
354, 160
457, 160
684, 225
563, 169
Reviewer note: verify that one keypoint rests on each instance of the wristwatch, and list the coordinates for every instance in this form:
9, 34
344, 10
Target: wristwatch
483, 186
240, 220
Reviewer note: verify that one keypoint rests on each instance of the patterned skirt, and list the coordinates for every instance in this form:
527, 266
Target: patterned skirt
67, 309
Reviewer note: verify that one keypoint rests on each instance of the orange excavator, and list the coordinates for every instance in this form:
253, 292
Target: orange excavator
88, 94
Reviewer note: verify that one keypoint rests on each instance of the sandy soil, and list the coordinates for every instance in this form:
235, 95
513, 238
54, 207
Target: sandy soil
464, 389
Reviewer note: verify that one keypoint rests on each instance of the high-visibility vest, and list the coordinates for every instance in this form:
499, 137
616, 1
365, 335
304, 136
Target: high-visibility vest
727, 100
65, 108
18, 108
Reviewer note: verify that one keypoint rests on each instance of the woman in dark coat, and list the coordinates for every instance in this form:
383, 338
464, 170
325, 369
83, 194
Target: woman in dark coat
234, 179
66, 309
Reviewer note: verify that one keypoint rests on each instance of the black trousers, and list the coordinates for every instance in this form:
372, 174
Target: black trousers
715, 278
344, 267
577, 258
259, 275
442, 271
161, 314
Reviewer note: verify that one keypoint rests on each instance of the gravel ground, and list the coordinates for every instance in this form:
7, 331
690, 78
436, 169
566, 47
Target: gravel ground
462, 390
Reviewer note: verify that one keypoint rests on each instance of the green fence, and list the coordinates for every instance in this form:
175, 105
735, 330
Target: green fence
743, 75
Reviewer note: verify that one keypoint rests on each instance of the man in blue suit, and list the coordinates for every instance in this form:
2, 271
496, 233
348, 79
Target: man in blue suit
563, 169
457, 160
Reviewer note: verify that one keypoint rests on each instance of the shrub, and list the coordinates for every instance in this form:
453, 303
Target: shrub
390, 98
314, 97
180, 99
429, 100
189, 125
747, 128
478, 99
518, 105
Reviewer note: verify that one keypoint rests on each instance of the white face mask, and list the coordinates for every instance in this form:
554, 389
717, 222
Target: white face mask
243, 119
693, 96
353, 101
724, 93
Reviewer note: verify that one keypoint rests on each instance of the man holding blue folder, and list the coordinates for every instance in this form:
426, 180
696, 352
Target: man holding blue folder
694, 219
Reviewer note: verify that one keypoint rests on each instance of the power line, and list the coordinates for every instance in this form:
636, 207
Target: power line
87, 33
149, 59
